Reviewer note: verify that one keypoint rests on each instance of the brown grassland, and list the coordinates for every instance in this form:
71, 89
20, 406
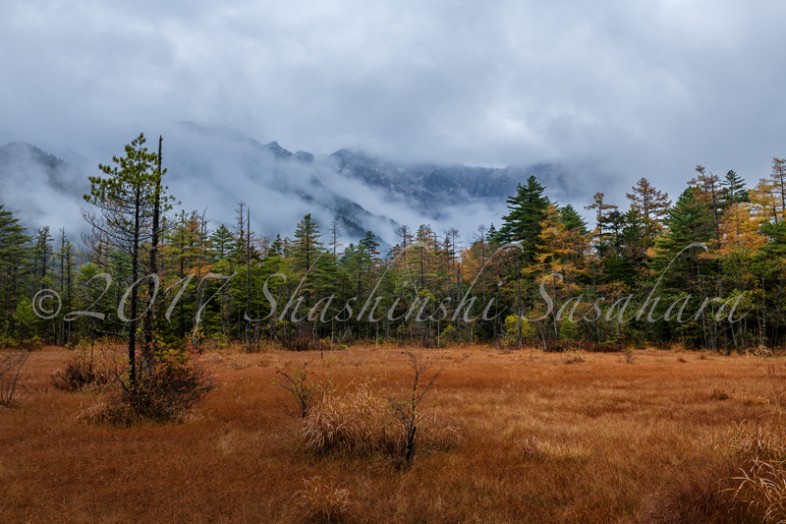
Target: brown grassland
654, 436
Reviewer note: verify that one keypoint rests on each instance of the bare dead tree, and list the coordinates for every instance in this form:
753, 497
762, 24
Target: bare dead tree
406, 411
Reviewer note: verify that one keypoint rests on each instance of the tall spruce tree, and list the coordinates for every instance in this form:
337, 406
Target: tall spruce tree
526, 211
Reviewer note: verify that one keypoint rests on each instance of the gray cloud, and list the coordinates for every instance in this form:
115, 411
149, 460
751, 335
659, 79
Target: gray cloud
631, 88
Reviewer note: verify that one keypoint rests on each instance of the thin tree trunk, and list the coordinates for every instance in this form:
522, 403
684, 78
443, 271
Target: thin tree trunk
148, 350
134, 291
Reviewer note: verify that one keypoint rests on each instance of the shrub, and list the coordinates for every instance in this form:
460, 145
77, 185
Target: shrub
81, 371
164, 395
11, 363
568, 330
512, 329
301, 392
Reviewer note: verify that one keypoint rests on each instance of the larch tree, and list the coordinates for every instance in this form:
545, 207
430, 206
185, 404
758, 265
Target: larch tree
653, 206
601, 209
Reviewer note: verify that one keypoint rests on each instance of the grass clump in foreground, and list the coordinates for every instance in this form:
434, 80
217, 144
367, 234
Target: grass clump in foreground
363, 423
322, 502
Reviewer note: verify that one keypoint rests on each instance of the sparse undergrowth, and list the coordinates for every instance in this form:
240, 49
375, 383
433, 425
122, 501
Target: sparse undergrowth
540, 441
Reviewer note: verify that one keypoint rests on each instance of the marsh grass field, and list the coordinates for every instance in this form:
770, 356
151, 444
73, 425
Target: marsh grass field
648, 436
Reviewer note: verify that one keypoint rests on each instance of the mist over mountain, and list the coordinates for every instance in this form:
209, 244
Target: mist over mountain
211, 169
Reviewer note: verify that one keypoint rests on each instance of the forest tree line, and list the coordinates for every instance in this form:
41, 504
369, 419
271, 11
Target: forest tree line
707, 270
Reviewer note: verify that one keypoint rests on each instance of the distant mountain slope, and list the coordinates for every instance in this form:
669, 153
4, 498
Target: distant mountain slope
40, 188
18, 158
432, 187
213, 169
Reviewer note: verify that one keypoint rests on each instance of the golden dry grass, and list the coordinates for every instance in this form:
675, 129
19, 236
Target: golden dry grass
599, 440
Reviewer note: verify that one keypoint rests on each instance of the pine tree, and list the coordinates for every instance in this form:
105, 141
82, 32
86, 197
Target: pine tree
13, 251
572, 220
306, 249
42, 253
334, 232
222, 243
125, 197
689, 221
709, 193
560, 251
739, 230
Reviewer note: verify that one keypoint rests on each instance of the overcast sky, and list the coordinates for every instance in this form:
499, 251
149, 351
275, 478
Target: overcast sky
637, 88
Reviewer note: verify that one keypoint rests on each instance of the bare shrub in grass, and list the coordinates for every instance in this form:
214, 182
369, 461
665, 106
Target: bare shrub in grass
11, 364
531, 449
301, 391
80, 372
406, 411
538, 450
777, 383
322, 502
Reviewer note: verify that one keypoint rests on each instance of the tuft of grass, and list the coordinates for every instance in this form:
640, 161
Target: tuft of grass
361, 423
356, 423
763, 488
322, 502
